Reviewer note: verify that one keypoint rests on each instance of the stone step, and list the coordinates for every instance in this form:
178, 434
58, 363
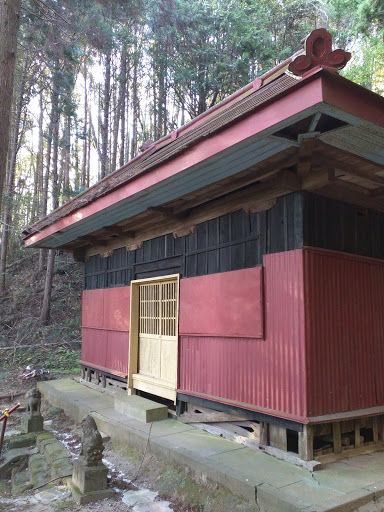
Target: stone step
141, 408
39, 471
20, 482
14, 458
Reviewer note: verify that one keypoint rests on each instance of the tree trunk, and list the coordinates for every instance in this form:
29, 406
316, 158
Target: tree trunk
44, 203
9, 25
135, 103
46, 308
122, 120
120, 105
105, 123
38, 181
10, 188
55, 120
85, 134
66, 158
55, 140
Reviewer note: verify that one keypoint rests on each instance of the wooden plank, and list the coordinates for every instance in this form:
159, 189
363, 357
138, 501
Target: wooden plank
278, 437
237, 428
199, 414
336, 432
322, 429
217, 430
326, 152
375, 429
363, 450
306, 443
347, 426
357, 434
97, 367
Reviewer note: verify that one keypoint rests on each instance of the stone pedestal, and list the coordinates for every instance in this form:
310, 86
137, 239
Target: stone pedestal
33, 420
89, 478
89, 483
32, 423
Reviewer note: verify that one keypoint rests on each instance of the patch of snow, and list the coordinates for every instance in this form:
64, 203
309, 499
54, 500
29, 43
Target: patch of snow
50, 495
143, 500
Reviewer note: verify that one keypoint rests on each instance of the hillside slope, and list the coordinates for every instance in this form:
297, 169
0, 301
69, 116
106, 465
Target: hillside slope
23, 341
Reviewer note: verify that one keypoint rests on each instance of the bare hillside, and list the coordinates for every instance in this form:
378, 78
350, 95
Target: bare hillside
23, 340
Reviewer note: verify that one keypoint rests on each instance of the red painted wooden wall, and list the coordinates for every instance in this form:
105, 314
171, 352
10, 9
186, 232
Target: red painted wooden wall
261, 374
345, 331
105, 328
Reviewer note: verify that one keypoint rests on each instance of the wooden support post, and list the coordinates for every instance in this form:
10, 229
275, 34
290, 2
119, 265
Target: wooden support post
306, 443
336, 430
180, 407
83, 372
88, 377
97, 377
264, 434
357, 434
278, 437
103, 381
375, 429
381, 427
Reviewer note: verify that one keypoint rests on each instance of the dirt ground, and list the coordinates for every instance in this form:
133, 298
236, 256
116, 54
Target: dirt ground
127, 471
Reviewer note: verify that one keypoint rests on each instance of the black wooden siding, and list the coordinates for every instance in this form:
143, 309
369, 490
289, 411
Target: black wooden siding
339, 226
240, 240
231, 242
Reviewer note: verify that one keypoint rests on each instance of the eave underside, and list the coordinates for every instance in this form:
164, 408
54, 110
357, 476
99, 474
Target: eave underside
324, 151
316, 166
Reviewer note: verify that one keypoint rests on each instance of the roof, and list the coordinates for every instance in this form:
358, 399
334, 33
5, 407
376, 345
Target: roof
301, 103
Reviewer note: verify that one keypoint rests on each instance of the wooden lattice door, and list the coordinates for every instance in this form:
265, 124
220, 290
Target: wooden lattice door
157, 338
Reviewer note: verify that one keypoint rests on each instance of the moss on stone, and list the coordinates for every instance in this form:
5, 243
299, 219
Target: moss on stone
54, 451
20, 441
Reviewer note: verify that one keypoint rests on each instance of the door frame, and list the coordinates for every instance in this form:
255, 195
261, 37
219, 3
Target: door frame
134, 326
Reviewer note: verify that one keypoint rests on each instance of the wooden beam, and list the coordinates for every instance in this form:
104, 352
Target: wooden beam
93, 239
351, 163
338, 191
281, 184
376, 192
260, 172
318, 179
304, 163
354, 187
167, 213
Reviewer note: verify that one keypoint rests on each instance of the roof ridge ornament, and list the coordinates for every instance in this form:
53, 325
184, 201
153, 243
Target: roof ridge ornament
318, 52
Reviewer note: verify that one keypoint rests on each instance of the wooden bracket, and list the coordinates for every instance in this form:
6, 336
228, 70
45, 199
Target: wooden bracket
189, 230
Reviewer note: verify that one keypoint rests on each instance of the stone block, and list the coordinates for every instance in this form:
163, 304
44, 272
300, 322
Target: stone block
89, 478
32, 424
39, 471
20, 441
89, 497
141, 408
43, 439
20, 482
61, 468
54, 451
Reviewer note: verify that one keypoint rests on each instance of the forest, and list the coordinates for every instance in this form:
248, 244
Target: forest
91, 81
